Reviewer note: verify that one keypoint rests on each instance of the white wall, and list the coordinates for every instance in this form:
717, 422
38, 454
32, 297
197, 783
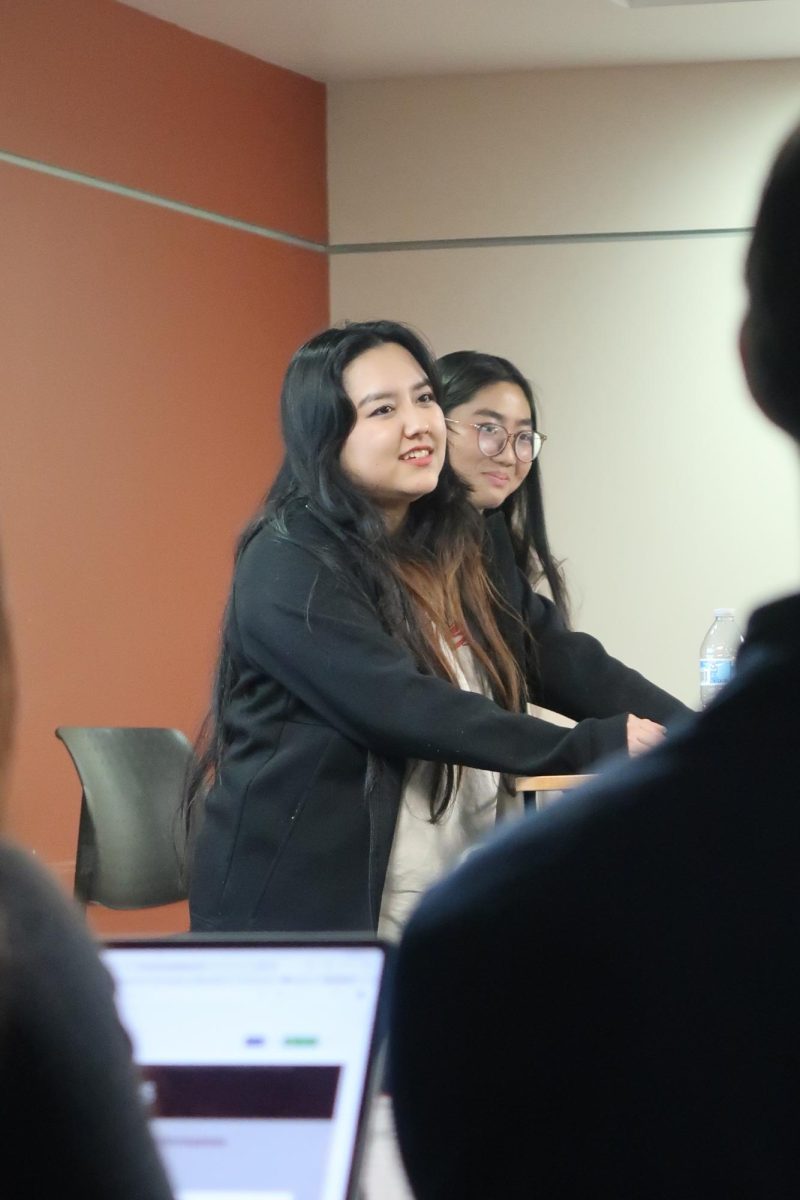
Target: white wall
667, 493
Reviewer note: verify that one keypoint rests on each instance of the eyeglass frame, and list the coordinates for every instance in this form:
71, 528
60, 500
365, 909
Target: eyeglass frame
510, 437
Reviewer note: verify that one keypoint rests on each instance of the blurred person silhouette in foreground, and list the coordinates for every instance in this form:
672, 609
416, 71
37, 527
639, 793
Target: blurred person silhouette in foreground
70, 1115
603, 1001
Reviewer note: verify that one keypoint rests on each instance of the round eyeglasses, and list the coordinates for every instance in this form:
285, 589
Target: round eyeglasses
493, 439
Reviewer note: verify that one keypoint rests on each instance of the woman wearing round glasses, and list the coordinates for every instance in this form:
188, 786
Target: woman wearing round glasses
494, 445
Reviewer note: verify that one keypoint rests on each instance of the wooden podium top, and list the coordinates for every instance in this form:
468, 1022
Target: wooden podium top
550, 783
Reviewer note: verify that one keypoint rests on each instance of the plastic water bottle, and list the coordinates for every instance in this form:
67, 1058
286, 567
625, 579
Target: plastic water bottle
718, 654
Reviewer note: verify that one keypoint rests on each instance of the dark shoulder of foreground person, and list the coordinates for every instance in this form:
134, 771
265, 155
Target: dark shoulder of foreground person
66, 1062
633, 898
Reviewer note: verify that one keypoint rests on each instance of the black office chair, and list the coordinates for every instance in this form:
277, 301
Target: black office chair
129, 845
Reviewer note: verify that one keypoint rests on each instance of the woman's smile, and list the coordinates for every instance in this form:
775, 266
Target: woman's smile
418, 456
498, 478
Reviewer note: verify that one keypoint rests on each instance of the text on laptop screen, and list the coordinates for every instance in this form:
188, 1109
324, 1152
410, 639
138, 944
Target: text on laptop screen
255, 1061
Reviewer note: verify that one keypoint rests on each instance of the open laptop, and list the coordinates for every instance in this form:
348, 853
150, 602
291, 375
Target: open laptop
259, 1058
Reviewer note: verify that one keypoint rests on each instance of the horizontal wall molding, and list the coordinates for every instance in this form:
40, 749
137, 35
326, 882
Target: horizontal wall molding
188, 210
290, 239
535, 239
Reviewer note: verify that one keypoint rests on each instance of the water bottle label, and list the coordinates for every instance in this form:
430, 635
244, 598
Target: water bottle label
715, 671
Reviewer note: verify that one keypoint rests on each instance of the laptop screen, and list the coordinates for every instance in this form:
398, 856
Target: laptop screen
257, 1060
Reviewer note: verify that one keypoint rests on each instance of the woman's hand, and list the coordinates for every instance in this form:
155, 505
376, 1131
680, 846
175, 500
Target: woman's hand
643, 734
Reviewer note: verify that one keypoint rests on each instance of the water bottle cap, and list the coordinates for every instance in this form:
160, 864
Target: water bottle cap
724, 612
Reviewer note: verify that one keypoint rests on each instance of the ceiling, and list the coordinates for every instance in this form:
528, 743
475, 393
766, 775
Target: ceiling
334, 40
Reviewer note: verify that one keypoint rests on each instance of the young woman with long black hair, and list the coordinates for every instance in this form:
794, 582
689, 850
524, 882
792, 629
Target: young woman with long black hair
494, 446
368, 666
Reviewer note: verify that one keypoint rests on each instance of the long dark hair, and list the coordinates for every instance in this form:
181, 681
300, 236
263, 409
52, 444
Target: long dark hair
422, 580
463, 373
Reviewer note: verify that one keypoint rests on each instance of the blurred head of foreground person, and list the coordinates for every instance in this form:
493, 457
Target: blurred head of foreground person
603, 1000
770, 343
70, 1115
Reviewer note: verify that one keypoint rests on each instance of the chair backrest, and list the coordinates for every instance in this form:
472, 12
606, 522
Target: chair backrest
128, 853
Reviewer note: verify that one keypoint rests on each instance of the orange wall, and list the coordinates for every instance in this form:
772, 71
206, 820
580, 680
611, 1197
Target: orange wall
109, 91
141, 352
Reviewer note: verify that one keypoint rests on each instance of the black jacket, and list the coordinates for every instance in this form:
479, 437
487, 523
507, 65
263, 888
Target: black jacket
326, 709
603, 1001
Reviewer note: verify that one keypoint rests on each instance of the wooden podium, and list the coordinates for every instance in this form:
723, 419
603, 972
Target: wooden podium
549, 787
